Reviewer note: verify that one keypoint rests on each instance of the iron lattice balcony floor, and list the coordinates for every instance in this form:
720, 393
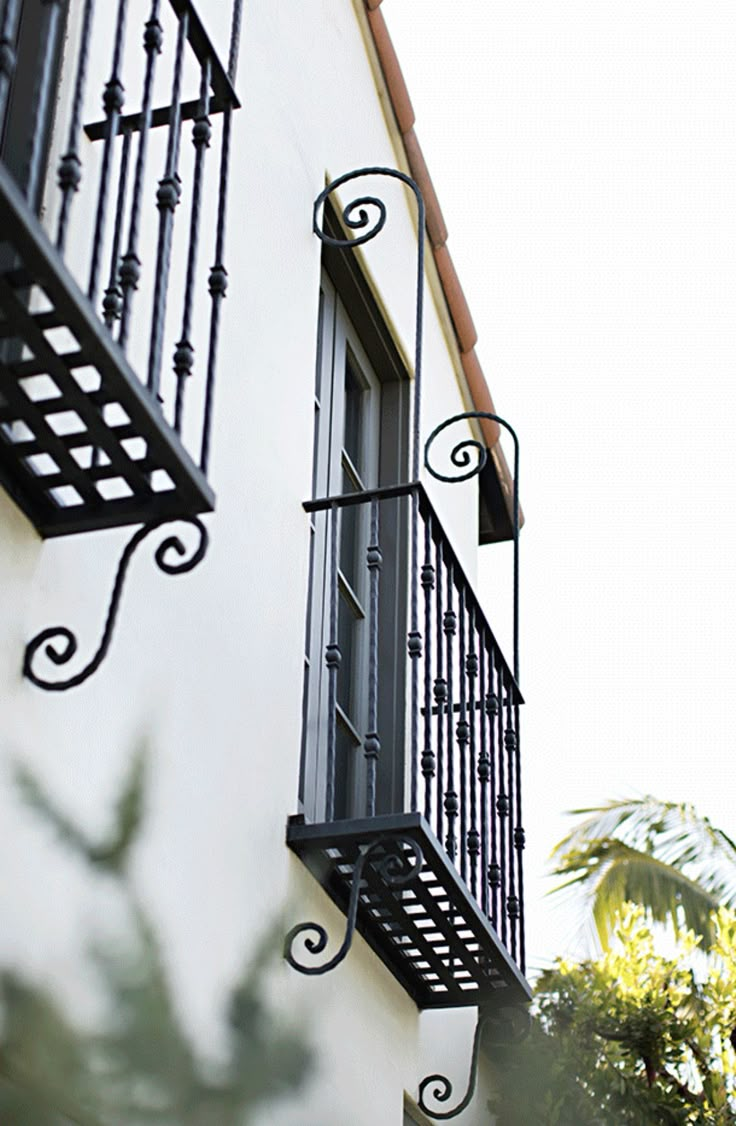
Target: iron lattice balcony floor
83, 445
429, 932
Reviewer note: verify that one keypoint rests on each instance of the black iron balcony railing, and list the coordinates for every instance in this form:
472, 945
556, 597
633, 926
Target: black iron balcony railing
103, 330
430, 872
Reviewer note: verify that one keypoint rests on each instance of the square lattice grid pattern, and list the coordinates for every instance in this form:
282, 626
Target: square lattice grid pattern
429, 930
83, 445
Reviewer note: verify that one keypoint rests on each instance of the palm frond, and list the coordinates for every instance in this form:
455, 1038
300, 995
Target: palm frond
661, 854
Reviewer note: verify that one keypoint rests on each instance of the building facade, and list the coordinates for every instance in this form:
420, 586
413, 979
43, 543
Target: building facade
230, 324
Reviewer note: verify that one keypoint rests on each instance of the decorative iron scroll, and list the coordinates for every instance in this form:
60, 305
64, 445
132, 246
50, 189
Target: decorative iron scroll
62, 653
357, 218
461, 457
395, 867
500, 1020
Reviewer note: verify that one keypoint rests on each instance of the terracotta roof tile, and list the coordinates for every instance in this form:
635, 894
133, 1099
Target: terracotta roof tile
391, 69
467, 337
480, 395
436, 229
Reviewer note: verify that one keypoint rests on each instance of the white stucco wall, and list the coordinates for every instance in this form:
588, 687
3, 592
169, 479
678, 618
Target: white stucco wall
207, 667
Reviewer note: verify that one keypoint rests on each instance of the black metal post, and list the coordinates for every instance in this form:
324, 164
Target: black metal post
332, 660
462, 734
484, 772
372, 742
112, 301
113, 100
167, 198
440, 693
184, 354
519, 843
449, 627
428, 757
473, 838
70, 166
8, 32
130, 267
42, 101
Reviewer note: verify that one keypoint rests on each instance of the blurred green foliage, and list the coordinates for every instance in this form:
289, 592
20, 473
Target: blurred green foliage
634, 1036
139, 1067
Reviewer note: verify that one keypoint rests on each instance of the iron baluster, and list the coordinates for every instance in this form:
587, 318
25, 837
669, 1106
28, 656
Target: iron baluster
70, 166
462, 733
332, 660
167, 199
449, 627
484, 772
502, 811
512, 900
400, 863
8, 31
113, 299
519, 844
62, 655
492, 708
130, 267
428, 757
440, 694
217, 288
42, 101
218, 274
415, 652
372, 742
184, 354
113, 100
235, 29
473, 838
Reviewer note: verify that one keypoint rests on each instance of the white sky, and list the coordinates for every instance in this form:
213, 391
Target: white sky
584, 155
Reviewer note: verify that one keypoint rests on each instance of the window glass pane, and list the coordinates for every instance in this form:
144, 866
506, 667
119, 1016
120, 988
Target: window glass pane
355, 395
346, 752
353, 543
348, 632
318, 393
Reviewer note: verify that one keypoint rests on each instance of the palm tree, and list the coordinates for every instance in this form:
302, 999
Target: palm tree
662, 855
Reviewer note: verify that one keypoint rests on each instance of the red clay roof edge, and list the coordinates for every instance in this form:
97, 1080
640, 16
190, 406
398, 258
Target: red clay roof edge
457, 304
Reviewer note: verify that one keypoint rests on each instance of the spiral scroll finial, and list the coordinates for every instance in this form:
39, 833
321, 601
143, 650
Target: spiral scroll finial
354, 214
461, 457
400, 860
368, 214
60, 644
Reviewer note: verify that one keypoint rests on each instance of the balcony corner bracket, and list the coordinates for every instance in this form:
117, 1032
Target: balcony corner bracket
397, 859
60, 644
508, 1025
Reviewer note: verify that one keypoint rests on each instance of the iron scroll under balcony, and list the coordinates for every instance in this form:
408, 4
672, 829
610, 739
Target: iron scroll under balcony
96, 428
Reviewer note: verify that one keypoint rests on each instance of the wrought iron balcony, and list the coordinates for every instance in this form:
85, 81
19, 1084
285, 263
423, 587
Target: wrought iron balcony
418, 837
96, 429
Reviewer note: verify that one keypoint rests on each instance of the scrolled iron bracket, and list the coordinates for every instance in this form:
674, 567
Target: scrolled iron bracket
461, 457
357, 218
396, 867
511, 1024
60, 644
